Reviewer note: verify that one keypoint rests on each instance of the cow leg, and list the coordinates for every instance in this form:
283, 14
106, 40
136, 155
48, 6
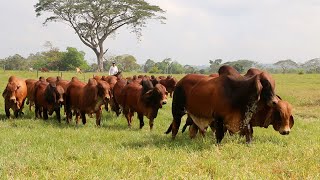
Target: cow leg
16, 113
151, 121
127, 114
83, 117
7, 109
57, 110
21, 108
140, 117
98, 118
219, 129
248, 133
30, 104
36, 111
40, 112
106, 106
193, 131
45, 114
189, 122
69, 116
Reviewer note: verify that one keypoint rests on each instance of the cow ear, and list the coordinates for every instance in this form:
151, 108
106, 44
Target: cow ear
146, 97
291, 121
4, 94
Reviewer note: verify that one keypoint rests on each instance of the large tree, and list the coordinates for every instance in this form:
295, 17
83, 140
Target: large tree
95, 20
286, 64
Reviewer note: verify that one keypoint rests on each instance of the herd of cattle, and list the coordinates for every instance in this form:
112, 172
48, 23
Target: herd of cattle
226, 101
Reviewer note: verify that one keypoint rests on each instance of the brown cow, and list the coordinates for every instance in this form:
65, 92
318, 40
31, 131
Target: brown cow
86, 99
48, 99
118, 87
30, 91
227, 99
279, 115
44, 69
179, 100
144, 99
96, 77
52, 79
14, 95
170, 83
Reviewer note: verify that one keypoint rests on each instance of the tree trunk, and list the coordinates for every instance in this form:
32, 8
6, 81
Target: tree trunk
100, 61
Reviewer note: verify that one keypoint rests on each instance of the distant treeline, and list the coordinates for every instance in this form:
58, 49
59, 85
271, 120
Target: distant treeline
54, 59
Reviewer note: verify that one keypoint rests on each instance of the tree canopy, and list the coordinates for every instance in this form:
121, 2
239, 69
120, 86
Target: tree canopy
95, 20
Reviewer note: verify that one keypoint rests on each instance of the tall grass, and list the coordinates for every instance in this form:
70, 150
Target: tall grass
34, 148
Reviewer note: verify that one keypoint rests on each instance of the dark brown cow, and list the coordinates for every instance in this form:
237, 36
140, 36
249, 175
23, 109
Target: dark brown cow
170, 83
48, 99
118, 87
44, 69
144, 99
154, 80
86, 99
30, 91
14, 95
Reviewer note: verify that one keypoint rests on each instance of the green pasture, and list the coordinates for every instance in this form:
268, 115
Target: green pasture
36, 149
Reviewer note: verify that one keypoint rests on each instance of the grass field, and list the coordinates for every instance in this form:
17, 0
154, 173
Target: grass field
33, 148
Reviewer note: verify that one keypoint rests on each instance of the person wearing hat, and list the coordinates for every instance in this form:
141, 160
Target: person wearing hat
113, 69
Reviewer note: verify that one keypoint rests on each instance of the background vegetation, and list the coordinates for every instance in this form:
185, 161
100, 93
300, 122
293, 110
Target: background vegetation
34, 148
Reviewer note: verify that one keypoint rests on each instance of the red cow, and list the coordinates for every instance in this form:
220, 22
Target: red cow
51, 79
14, 95
118, 87
279, 115
44, 69
179, 100
144, 99
86, 99
48, 99
227, 99
30, 91
170, 83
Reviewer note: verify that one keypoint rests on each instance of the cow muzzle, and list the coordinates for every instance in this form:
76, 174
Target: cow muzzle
285, 132
13, 99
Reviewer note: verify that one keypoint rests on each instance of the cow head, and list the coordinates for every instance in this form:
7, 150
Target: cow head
10, 92
104, 91
60, 95
282, 119
156, 97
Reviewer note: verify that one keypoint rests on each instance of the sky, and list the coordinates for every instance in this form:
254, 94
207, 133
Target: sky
195, 32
